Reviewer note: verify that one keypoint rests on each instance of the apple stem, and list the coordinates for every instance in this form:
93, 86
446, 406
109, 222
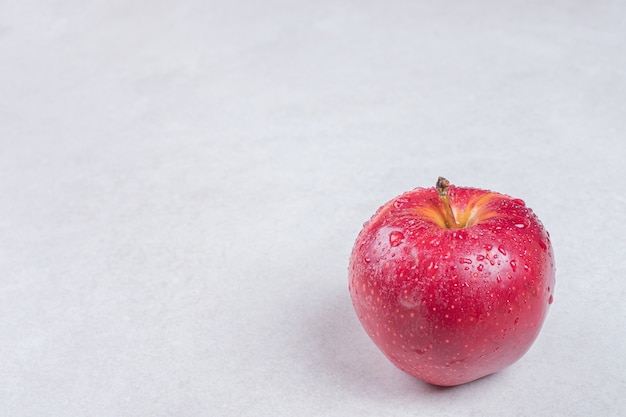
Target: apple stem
443, 186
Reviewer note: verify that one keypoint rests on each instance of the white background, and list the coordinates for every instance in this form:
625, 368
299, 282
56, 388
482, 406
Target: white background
181, 183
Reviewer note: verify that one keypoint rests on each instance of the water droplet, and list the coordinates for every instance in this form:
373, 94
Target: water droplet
465, 261
513, 265
480, 267
542, 245
516, 320
367, 260
526, 268
400, 202
498, 279
480, 258
551, 299
488, 247
519, 201
502, 250
520, 225
396, 238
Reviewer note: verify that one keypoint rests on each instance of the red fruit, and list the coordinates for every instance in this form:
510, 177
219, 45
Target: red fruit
452, 283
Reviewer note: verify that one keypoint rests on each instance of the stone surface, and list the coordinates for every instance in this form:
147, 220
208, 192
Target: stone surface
181, 184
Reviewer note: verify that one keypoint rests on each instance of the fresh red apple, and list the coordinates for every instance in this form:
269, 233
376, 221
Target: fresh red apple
452, 283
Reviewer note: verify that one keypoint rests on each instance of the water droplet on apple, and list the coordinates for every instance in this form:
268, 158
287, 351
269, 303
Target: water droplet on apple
502, 250
367, 260
480, 267
488, 247
520, 225
543, 245
480, 258
551, 299
465, 261
400, 202
519, 201
513, 265
498, 279
396, 238
516, 320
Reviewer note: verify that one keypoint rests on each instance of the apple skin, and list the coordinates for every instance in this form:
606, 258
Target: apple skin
451, 305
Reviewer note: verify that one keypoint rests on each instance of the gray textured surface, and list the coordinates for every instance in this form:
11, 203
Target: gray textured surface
181, 184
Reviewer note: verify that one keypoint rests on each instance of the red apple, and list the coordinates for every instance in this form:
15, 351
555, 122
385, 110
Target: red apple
452, 283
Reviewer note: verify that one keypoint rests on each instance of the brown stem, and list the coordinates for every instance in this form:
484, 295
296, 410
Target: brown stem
442, 191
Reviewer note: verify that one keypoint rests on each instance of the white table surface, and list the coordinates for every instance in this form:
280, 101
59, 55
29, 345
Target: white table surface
181, 183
